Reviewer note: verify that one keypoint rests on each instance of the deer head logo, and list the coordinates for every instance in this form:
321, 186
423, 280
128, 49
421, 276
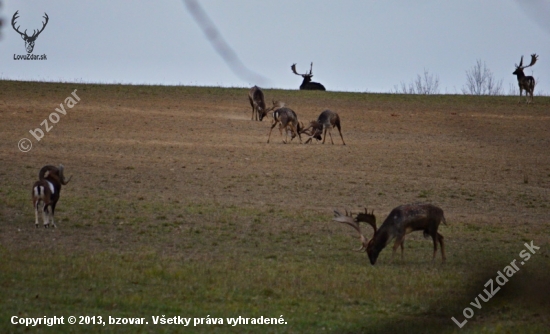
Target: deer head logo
29, 40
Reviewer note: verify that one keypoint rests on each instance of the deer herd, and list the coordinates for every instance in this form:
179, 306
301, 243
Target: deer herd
401, 221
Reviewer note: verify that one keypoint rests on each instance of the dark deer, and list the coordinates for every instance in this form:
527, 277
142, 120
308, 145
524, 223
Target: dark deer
325, 122
401, 221
286, 118
257, 102
29, 40
46, 191
307, 84
526, 83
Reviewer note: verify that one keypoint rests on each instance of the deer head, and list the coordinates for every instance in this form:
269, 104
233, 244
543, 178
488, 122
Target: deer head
29, 40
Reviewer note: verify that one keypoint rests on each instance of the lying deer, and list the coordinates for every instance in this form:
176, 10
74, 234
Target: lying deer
401, 221
526, 83
325, 122
46, 191
307, 84
287, 120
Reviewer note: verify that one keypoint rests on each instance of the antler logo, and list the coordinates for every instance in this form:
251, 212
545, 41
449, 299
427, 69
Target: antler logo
29, 40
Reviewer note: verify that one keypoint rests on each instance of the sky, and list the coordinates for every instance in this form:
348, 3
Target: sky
358, 46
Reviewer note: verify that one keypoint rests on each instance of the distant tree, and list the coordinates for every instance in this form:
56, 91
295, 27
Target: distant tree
424, 85
481, 81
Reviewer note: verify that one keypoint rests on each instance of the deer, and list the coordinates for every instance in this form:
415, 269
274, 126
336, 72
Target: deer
29, 40
326, 121
257, 102
286, 118
46, 191
526, 83
307, 84
401, 221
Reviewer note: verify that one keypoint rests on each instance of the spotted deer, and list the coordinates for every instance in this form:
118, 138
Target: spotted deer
324, 123
288, 121
401, 221
526, 83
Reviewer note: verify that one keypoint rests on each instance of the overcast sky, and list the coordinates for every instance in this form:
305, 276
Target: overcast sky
357, 46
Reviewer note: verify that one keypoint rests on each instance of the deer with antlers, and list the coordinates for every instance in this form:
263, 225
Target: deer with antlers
325, 122
526, 83
401, 221
307, 84
257, 102
29, 40
287, 120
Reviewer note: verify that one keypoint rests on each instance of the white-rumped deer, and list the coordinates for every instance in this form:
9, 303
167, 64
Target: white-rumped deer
401, 221
307, 84
325, 122
257, 102
526, 83
286, 118
46, 191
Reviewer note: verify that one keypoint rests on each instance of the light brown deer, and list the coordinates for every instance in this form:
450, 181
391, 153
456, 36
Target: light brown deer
526, 83
401, 221
325, 122
288, 121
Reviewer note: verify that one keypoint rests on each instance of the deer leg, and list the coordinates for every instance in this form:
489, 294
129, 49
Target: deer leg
52, 214
330, 134
340, 132
402, 249
36, 213
325, 135
435, 238
398, 242
440, 239
45, 216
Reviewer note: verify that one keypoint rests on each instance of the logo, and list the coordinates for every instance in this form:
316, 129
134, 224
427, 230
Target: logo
29, 40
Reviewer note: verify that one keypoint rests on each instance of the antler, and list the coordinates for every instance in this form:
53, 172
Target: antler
293, 67
15, 17
35, 34
534, 58
348, 219
311, 69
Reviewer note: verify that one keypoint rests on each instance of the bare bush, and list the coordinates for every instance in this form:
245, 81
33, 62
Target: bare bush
481, 81
425, 85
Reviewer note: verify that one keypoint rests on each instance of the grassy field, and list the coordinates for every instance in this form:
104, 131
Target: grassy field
179, 207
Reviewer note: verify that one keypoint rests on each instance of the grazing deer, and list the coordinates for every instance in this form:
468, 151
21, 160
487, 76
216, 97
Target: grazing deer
29, 40
257, 102
526, 83
307, 84
286, 118
46, 191
401, 221
325, 122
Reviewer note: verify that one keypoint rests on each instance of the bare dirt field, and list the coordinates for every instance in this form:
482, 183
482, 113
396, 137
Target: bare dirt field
179, 207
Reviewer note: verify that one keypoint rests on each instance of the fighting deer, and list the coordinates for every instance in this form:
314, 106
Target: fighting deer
286, 118
401, 221
257, 102
46, 191
29, 40
526, 83
307, 84
325, 122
